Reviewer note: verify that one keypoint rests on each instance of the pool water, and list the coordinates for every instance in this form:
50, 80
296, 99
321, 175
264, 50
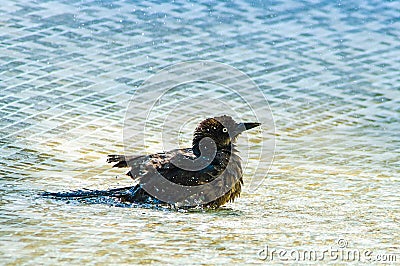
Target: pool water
330, 72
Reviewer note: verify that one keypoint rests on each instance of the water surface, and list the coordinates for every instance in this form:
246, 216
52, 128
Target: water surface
329, 70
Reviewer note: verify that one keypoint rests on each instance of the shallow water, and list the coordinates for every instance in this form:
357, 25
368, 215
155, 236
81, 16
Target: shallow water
328, 69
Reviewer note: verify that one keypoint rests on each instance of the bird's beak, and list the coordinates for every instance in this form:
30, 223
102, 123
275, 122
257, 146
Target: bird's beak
248, 126
244, 126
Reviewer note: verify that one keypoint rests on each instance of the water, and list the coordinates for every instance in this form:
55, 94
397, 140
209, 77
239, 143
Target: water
329, 70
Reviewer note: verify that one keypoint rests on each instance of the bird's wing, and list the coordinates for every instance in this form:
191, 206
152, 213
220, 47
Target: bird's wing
147, 168
144, 165
165, 164
141, 164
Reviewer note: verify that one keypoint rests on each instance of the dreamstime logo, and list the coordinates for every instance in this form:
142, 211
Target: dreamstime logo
339, 252
167, 107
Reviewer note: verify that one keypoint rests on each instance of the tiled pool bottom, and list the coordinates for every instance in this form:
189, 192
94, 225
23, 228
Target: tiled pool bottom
330, 73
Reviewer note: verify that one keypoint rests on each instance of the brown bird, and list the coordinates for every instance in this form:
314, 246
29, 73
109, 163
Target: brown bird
208, 175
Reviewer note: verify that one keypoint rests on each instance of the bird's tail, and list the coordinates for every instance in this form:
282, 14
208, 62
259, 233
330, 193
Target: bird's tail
120, 160
124, 195
83, 194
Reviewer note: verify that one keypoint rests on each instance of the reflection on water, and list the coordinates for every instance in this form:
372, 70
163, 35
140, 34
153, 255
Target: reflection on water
329, 70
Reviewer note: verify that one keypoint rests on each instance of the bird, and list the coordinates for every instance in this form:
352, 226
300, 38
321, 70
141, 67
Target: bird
207, 175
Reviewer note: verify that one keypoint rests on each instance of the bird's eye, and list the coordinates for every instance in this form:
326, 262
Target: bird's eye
224, 130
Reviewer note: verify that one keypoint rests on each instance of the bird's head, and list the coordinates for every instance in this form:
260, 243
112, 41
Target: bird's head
223, 130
